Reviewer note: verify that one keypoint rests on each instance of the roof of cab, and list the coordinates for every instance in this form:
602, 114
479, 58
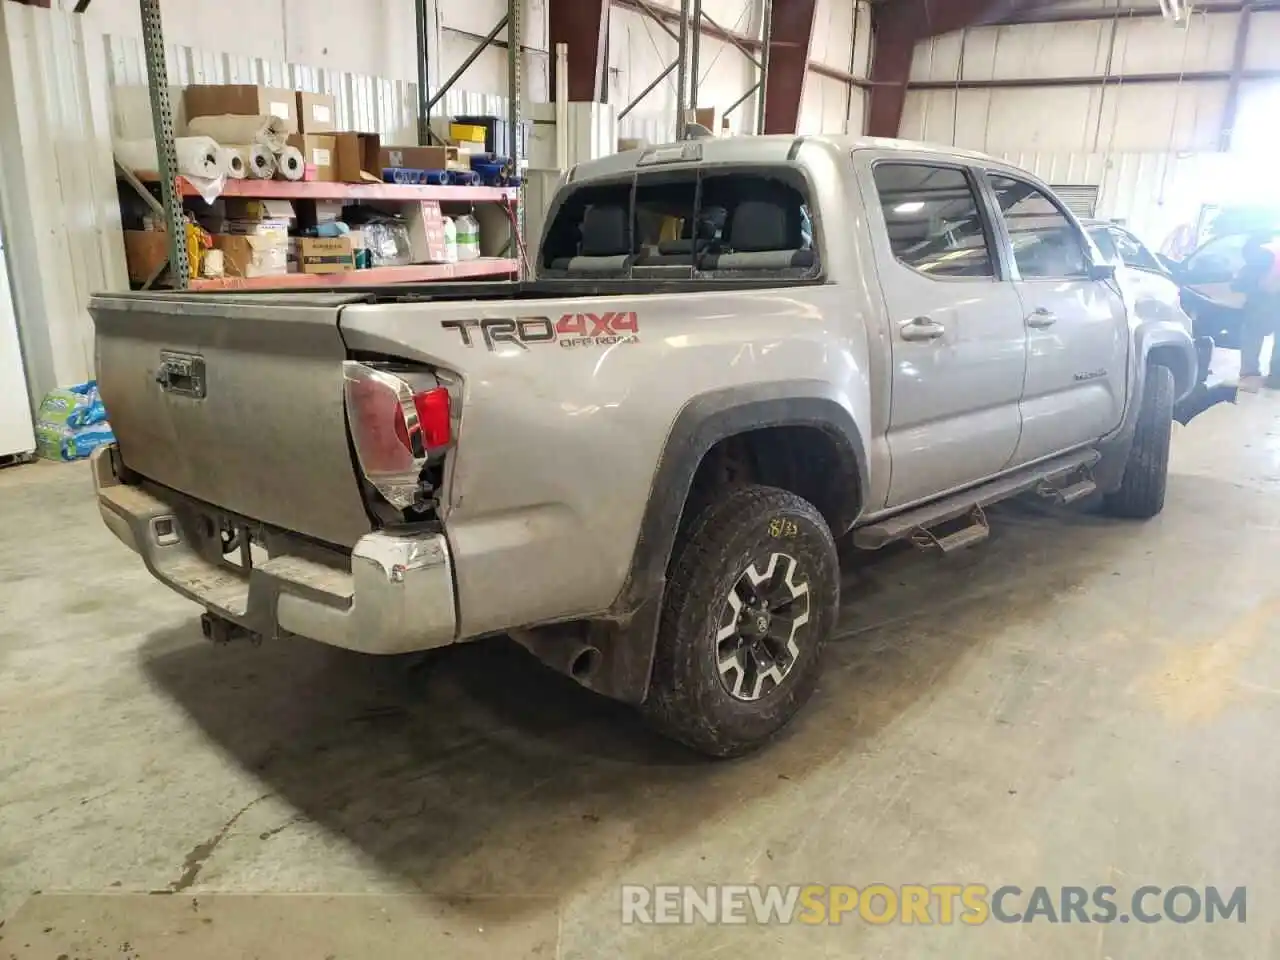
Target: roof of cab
775, 148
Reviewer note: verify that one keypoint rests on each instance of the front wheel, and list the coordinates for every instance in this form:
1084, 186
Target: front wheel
1141, 493
752, 595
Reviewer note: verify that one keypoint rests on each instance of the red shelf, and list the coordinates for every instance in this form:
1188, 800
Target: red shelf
415, 273
327, 190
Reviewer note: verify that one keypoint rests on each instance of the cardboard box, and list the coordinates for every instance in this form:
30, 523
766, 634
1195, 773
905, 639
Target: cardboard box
413, 158
426, 233
317, 151
263, 255
256, 228
144, 251
214, 99
356, 158
245, 208
317, 113
328, 211
326, 254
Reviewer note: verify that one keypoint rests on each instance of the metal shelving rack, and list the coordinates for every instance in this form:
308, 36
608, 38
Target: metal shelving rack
687, 62
173, 187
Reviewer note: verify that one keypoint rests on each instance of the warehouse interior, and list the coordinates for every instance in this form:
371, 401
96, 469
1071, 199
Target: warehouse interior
1078, 703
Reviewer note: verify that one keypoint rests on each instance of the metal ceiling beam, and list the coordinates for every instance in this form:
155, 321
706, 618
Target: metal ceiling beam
1083, 16
1231, 110
895, 45
1128, 79
790, 29
584, 26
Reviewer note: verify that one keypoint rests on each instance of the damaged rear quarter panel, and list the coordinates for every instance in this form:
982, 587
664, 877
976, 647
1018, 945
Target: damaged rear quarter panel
566, 409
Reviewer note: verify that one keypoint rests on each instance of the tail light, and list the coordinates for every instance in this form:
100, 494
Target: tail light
399, 419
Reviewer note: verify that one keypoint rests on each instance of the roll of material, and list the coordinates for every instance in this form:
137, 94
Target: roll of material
289, 164
232, 162
214, 264
229, 128
197, 156
259, 161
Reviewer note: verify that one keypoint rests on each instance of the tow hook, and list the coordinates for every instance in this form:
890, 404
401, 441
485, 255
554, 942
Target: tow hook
221, 630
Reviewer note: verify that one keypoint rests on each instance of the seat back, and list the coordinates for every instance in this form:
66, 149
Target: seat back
606, 242
764, 234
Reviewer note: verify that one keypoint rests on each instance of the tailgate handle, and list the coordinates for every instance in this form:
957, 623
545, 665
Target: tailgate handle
181, 373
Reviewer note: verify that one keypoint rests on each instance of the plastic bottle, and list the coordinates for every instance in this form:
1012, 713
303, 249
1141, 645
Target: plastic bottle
450, 240
468, 228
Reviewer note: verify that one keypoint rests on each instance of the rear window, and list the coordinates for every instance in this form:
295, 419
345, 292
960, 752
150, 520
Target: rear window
705, 222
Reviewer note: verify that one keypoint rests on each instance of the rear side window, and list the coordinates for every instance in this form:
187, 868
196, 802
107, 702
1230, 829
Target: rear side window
1046, 244
934, 221
686, 223
1102, 239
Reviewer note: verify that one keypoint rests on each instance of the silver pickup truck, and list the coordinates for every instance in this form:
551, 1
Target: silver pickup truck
637, 465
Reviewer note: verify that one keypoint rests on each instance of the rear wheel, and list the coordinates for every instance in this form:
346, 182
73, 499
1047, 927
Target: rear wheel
752, 595
1141, 493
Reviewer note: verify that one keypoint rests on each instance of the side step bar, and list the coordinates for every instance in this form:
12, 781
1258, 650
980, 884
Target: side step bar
904, 525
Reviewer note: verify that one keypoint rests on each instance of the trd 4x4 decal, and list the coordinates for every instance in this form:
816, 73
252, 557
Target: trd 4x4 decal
570, 331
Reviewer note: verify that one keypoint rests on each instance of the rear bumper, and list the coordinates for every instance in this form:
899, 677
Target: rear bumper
397, 597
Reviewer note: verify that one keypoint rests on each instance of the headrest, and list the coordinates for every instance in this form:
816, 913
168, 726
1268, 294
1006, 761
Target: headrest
710, 223
759, 225
604, 232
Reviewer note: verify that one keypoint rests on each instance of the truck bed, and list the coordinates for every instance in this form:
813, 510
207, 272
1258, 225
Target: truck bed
488, 290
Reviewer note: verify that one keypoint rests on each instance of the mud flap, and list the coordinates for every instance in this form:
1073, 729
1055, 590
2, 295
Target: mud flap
1201, 399
1204, 395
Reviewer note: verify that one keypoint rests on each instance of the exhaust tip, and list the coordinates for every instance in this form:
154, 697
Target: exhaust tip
584, 664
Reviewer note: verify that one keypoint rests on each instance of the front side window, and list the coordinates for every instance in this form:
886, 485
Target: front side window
1133, 253
934, 221
1046, 244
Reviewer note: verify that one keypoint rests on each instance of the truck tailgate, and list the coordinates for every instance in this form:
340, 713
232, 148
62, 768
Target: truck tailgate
236, 401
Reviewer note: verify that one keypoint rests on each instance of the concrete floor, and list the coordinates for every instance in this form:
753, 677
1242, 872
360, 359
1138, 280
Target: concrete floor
1078, 701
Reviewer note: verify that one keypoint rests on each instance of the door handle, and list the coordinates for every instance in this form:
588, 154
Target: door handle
1041, 318
921, 328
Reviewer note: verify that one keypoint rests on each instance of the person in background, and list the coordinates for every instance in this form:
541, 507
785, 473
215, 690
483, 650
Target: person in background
1259, 281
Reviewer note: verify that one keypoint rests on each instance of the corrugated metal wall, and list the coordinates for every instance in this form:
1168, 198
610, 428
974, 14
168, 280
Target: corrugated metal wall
57, 194
1152, 148
1150, 192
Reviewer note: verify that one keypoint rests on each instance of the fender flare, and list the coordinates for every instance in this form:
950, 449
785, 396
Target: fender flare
1169, 339
628, 632
1173, 341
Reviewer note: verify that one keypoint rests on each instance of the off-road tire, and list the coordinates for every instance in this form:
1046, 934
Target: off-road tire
1141, 493
747, 529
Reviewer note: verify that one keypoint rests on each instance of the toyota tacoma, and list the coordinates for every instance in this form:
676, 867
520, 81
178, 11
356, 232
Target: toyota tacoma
637, 464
